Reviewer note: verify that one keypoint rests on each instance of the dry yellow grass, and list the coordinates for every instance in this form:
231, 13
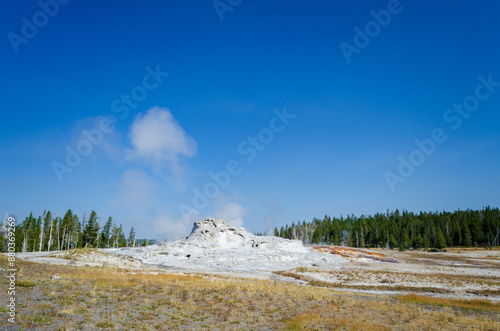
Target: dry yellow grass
480, 305
107, 298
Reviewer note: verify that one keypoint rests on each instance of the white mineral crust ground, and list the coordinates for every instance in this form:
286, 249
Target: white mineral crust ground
213, 245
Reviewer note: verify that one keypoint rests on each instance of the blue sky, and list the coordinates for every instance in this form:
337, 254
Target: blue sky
355, 117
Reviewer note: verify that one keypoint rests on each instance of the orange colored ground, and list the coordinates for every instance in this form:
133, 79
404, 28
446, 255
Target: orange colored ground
353, 253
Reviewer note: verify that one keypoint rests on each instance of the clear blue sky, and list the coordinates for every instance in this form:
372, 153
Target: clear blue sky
354, 116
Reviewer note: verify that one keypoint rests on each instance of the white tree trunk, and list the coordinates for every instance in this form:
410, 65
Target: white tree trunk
58, 241
25, 243
61, 242
41, 239
50, 236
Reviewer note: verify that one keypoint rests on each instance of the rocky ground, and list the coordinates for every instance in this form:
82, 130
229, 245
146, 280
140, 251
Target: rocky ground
99, 298
214, 247
221, 277
470, 274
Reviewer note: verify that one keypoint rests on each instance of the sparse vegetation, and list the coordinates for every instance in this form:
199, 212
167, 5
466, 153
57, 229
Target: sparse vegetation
421, 273
110, 298
477, 305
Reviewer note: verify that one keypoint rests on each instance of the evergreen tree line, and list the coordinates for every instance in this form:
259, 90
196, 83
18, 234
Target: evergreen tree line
404, 230
48, 233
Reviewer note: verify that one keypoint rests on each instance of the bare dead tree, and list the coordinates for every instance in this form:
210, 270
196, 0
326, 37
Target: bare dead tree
50, 236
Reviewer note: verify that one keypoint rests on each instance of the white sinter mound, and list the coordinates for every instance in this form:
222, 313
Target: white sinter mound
214, 245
